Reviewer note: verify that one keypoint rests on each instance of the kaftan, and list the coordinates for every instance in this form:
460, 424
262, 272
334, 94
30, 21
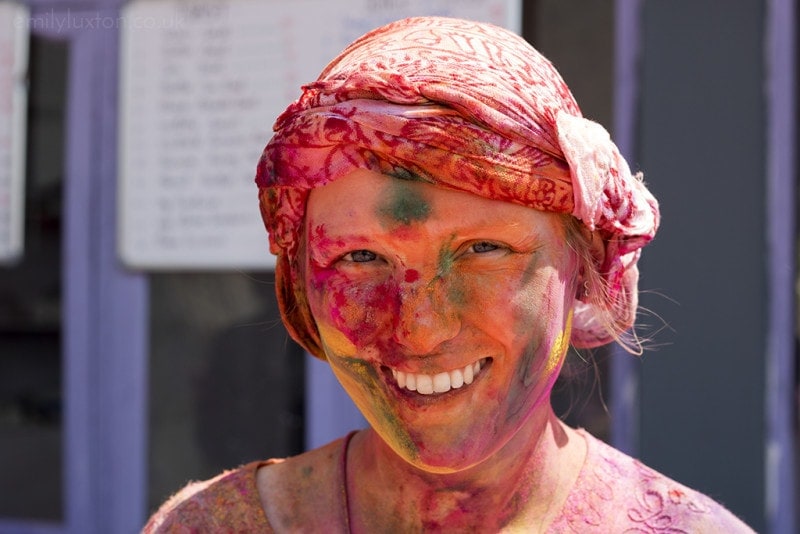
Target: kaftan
613, 493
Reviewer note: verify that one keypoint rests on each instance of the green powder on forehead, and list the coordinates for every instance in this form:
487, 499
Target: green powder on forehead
404, 204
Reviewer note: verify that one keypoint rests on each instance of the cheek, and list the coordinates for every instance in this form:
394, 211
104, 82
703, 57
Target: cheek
349, 314
544, 354
559, 348
535, 325
503, 303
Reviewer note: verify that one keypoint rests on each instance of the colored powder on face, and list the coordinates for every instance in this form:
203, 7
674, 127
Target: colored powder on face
456, 291
559, 347
446, 259
412, 275
405, 205
335, 340
366, 376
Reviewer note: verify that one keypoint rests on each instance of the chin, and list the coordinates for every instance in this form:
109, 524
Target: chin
441, 464
440, 455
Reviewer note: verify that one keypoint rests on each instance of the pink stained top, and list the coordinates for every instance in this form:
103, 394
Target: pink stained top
468, 106
613, 493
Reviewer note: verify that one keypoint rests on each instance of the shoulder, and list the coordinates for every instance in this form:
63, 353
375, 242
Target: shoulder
613, 487
305, 492
228, 501
297, 493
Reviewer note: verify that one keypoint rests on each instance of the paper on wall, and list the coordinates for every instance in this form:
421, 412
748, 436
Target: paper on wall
201, 85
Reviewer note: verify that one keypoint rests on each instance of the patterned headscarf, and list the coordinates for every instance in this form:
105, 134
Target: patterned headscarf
467, 106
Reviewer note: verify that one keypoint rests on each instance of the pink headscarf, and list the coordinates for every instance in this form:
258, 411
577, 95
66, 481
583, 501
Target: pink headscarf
463, 105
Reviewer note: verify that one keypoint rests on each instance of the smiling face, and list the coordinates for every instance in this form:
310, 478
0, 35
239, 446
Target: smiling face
444, 315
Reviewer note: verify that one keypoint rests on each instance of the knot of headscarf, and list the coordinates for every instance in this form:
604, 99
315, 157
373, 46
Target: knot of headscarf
463, 105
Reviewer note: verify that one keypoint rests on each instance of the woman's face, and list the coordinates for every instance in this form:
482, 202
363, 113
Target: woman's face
445, 316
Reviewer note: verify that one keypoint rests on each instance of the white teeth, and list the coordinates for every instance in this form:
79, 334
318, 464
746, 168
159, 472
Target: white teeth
440, 382
424, 384
411, 382
456, 379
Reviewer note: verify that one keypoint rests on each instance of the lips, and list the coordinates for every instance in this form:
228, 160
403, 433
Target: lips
443, 382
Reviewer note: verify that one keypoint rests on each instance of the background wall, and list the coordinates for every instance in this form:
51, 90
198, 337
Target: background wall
702, 145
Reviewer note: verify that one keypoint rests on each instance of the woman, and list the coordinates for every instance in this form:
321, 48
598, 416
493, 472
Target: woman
446, 224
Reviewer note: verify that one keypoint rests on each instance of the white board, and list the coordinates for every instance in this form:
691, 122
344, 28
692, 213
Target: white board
201, 85
13, 111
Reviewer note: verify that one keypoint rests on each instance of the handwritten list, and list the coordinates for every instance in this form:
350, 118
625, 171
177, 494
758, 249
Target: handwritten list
201, 84
13, 109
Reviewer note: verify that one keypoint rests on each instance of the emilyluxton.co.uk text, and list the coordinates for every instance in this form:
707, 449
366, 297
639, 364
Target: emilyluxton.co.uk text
62, 21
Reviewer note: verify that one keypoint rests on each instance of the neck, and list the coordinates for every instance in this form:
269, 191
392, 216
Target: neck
518, 485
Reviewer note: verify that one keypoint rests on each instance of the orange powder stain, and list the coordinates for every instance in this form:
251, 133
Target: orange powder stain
560, 346
336, 341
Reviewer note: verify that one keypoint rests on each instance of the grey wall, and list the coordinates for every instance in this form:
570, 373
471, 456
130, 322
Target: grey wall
701, 143
702, 146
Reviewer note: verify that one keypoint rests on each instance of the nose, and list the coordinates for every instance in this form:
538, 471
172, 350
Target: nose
427, 317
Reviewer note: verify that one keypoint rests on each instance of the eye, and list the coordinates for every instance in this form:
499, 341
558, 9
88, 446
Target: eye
360, 256
483, 246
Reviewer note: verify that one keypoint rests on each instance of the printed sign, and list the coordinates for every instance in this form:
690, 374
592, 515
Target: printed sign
13, 111
201, 85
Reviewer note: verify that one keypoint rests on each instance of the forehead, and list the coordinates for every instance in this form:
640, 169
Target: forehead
370, 199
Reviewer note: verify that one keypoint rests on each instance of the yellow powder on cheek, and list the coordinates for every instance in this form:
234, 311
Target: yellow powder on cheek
361, 383
559, 348
336, 341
